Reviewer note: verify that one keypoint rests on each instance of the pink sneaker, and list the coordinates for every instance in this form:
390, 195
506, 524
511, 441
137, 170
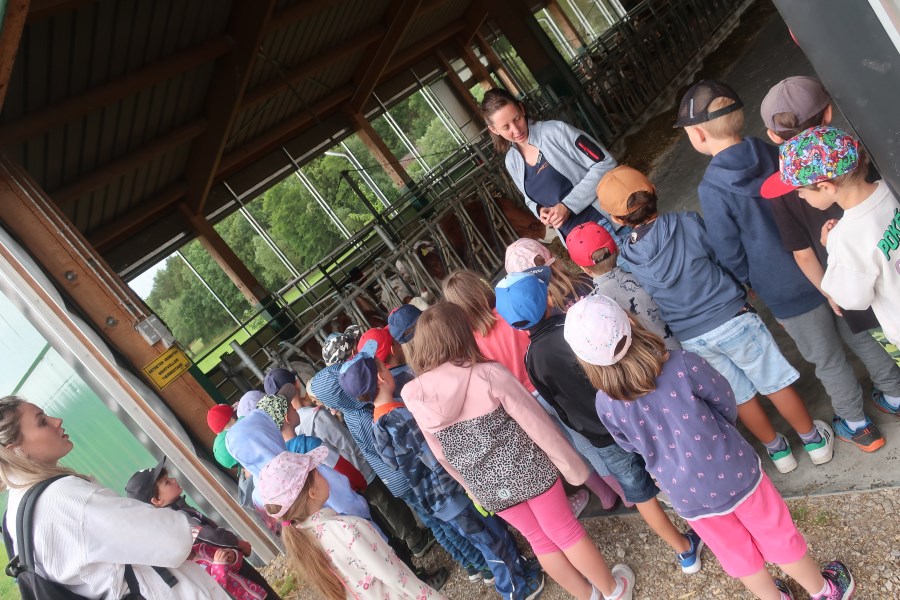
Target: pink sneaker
578, 501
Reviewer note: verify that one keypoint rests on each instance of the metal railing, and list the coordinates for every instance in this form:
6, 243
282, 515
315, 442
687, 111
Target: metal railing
364, 266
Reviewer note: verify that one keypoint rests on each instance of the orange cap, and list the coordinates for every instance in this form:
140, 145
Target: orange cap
617, 185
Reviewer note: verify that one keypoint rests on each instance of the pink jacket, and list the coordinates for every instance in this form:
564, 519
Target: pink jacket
508, 347
491, 434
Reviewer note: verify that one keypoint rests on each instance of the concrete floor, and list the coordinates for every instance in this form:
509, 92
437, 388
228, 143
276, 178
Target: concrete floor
771, 57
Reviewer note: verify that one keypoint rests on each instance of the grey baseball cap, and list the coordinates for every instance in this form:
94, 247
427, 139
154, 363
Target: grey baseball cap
804, 97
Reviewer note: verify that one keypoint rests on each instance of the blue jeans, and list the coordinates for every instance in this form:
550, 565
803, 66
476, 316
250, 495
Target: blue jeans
743, 350
457, 546
490, 536
630, 471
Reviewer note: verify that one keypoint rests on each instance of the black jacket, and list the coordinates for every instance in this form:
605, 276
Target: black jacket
557, 376
209, 531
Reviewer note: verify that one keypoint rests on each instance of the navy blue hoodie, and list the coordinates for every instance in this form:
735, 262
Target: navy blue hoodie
743, 233
674, 262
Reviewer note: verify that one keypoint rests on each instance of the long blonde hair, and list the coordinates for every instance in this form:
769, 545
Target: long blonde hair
563, 289
304, 553
635, 374
16, 469
469, 291
443, 334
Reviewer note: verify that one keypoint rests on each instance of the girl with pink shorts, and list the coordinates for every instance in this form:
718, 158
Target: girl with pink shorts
679, 413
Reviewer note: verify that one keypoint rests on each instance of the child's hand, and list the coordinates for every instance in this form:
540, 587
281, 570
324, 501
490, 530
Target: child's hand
837, 309
244, 547
828, 226
224, 555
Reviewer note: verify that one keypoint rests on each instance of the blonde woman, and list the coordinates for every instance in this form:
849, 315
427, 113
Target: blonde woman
84, 534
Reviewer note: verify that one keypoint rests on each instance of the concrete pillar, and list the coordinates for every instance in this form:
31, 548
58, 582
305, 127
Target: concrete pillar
461, 113
459, 88
378, 148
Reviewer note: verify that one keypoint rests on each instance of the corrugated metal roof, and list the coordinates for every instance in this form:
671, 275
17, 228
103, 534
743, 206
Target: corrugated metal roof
106, 100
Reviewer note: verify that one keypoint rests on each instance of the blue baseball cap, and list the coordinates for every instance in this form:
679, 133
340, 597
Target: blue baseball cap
522, 297
276, 378
359, 375
401, 320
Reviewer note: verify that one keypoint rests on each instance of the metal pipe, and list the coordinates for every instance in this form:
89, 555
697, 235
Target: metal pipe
246, 360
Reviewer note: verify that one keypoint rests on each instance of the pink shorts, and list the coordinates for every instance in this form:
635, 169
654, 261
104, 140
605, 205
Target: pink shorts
759, 530
546, 521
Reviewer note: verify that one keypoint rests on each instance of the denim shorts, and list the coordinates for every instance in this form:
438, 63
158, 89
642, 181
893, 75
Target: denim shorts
744, 351
630, 471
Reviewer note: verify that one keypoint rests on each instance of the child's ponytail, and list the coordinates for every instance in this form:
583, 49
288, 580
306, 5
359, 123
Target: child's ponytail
565, 289
635, 374
303, 552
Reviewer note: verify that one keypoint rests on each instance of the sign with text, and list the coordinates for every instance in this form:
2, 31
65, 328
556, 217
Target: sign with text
167, 367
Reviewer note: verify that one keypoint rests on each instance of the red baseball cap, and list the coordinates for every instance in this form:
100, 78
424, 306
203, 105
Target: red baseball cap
382, 337
218, 416
586, 239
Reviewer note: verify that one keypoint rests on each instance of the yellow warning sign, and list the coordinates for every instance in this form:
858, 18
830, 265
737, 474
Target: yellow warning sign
167, 367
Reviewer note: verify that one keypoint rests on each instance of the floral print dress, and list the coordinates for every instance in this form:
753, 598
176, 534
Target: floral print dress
363, 561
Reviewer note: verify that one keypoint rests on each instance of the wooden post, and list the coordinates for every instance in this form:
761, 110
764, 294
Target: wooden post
104, 300
11, 33
225, 257
377, 147
496, 64
565, 24
479, 71
460, 88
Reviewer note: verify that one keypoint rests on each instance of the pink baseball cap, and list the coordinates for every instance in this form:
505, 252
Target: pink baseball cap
521, 254
594, 327
281, 481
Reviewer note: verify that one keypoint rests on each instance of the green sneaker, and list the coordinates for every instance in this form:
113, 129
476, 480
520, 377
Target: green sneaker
784, 459
822, 451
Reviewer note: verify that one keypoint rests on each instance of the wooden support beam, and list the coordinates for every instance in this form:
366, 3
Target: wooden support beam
246, 27
13, 24
565, 24
33, 124
459, 88
496, 64
370, 72
224, 256
129, 162
479, 71
311, 66
100, 297
377, 147
287, 130
128, 225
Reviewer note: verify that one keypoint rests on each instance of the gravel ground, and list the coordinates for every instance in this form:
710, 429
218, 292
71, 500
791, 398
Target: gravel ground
860, 529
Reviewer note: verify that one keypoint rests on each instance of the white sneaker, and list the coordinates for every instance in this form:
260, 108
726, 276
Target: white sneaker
624, 575
784, 459
822, 452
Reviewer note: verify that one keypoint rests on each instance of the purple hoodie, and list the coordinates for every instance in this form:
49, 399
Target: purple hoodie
685, 431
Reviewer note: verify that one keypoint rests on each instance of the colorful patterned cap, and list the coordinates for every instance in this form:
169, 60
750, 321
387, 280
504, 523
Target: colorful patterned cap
817, 154
594, 327
275, 406
339, 347
281, 481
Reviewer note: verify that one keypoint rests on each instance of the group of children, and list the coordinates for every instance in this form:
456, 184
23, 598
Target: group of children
628, 379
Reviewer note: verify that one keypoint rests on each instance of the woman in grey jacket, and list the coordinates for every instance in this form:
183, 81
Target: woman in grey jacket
555, 166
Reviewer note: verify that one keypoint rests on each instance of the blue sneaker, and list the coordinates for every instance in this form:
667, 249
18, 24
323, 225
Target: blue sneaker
534, 585
690, 560
882, 405
840, 582
868, 438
